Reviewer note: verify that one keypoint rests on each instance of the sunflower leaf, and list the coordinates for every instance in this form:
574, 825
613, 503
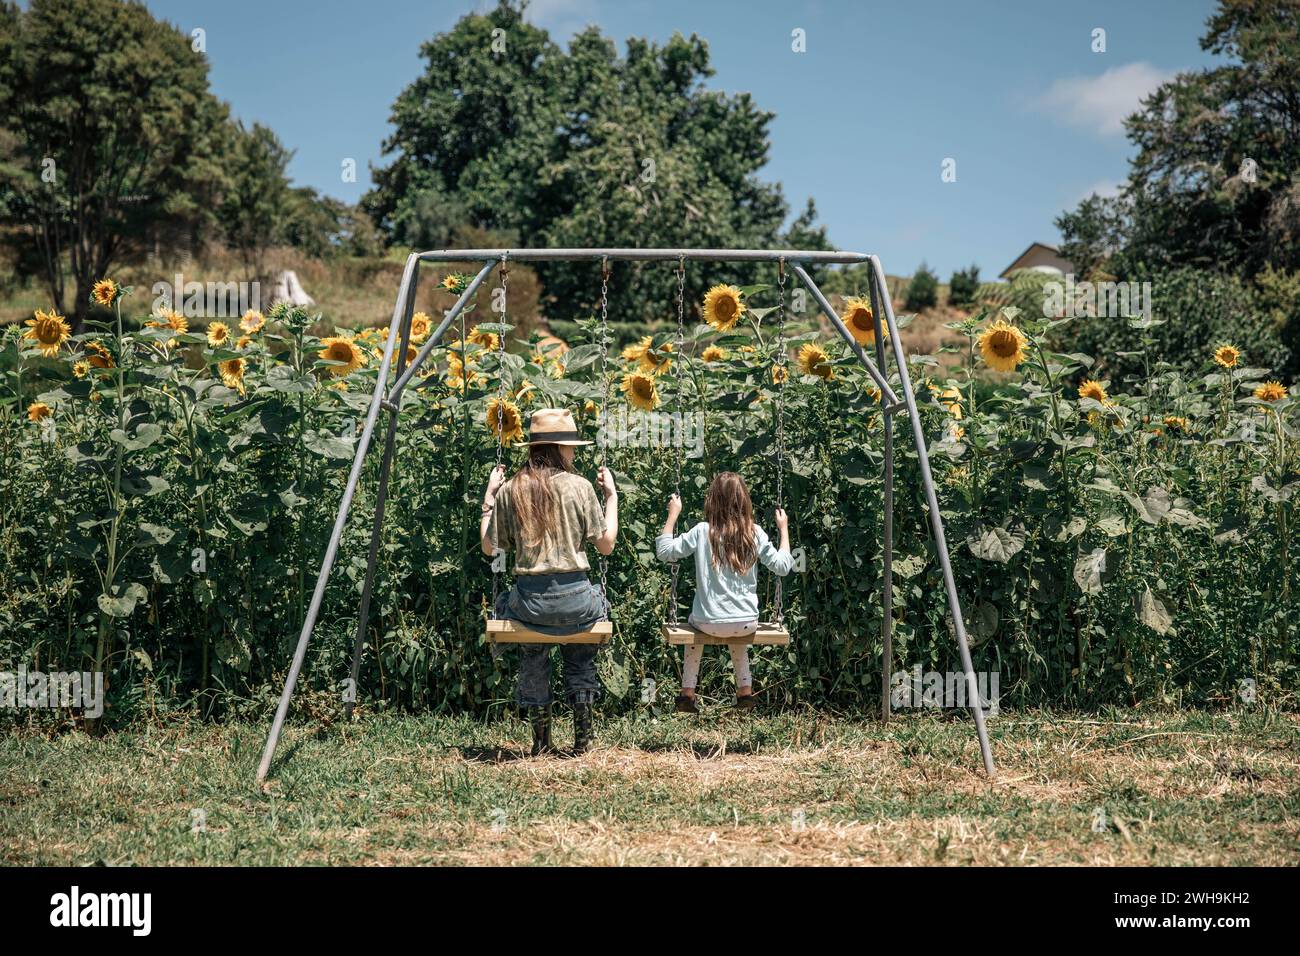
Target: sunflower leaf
1088, 570
123, 599
1152, 613
996, 544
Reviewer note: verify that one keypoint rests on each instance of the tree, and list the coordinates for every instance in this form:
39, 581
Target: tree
586, 148
111, 129
1214, 183
923, 290
255, 206
964, 286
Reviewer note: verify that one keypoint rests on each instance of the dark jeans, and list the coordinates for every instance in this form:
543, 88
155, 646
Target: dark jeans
555, 604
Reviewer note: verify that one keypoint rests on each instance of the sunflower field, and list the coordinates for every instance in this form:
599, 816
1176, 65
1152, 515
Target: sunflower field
167, 492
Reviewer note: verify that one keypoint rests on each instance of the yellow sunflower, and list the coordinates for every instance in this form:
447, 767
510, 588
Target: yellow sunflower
713, 354
218, 334
780, 374
488, 340
252, 322
641, 391
232, 373
37, 411
244, 342
1003, 346
170, 319
1271, 392
813, 360
511, 427
104, 292
342, 349
1227, 356
1176, 423
1094, 390
48, 331
860, 322
81, 368
421, 326
635, 353
98, 355
524, 392
457, 377
723, 308
657, 361
949, 398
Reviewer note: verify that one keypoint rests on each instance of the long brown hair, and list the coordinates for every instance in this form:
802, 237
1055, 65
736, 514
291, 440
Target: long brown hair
533, 497
730, 515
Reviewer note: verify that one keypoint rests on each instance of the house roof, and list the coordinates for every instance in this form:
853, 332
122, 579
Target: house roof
1048, 254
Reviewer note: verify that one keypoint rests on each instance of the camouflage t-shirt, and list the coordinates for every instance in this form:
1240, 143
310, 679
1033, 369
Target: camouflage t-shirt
580, 519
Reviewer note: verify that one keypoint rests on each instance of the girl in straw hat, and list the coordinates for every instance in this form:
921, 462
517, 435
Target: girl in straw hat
546, 514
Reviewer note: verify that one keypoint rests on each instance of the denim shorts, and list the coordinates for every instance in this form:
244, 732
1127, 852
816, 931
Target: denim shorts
554, 604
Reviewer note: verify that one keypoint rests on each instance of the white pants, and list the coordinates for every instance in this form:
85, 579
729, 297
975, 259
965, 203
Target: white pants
739, 652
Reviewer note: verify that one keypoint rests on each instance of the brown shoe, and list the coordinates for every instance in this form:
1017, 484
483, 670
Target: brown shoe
748, 702
685, 705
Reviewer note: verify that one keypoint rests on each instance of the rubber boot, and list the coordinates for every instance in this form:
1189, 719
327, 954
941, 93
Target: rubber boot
540, 718
581, 728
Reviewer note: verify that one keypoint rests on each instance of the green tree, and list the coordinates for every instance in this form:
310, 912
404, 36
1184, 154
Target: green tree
509, 132
964, 286
256, 204
111, 129
923, 290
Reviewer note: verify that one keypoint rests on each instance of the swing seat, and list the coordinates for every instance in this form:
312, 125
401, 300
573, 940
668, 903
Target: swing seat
512, 632
685, 634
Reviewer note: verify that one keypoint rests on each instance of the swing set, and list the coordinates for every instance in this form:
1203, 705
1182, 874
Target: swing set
511, 632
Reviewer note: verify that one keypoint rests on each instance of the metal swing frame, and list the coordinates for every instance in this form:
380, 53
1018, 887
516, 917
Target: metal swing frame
398, 341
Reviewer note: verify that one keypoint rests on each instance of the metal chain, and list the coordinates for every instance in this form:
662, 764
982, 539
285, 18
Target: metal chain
677, 442
604, 406
782, 362
501, 410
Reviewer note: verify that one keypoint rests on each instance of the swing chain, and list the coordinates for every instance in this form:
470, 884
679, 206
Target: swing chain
677, 440
604, 405
782, 372
501, 411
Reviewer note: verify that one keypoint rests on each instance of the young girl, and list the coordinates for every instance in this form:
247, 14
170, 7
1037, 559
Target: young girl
727, 546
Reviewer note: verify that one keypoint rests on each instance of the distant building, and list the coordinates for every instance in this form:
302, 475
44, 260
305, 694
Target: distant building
1041, 258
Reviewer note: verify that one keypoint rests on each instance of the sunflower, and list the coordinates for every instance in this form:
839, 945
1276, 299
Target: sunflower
81, 369
723, 308
780, 374
713, 354
555, 368
98, 355
105, 292
524, 392
949, 398
456, 373
488, 340
860, 321
232, 373
48, 330
504, 421
1094, 390
218, 334
37, 411
1003, 346
590, 409
1271, 392
339, 385
455, 282
421, 326
657, 361
635, 353
641, 391
342, 349
1227, 356
252, 322
813, 360
244, 342
1176, 423
170, 319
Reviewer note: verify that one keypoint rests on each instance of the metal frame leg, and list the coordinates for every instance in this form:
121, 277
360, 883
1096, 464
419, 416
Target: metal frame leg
887, 505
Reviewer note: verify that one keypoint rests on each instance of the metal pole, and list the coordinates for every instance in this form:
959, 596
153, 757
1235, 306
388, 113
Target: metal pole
881, 382
646, 255
395, 394
936, 521
318, 595
887, 506
381, 496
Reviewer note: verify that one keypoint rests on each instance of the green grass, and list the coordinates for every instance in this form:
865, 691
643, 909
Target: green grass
1174, 789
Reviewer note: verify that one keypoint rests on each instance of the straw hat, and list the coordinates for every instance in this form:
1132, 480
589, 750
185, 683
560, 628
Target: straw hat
553, 426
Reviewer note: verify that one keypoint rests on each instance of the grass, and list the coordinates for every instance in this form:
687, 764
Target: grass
794, 788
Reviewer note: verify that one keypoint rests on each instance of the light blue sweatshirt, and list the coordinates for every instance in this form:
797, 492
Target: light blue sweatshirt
721, 595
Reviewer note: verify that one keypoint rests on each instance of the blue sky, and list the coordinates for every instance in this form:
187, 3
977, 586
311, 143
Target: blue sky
885, 92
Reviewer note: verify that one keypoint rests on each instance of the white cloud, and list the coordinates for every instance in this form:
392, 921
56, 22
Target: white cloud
1104, 188
1100, 103
559, 13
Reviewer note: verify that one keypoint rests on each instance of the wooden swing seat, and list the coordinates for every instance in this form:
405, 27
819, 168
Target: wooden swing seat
685, 634
512, 632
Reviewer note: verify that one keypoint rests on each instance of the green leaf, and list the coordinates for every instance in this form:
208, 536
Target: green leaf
996, 544
1153, 614
1088, 570
123, 599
